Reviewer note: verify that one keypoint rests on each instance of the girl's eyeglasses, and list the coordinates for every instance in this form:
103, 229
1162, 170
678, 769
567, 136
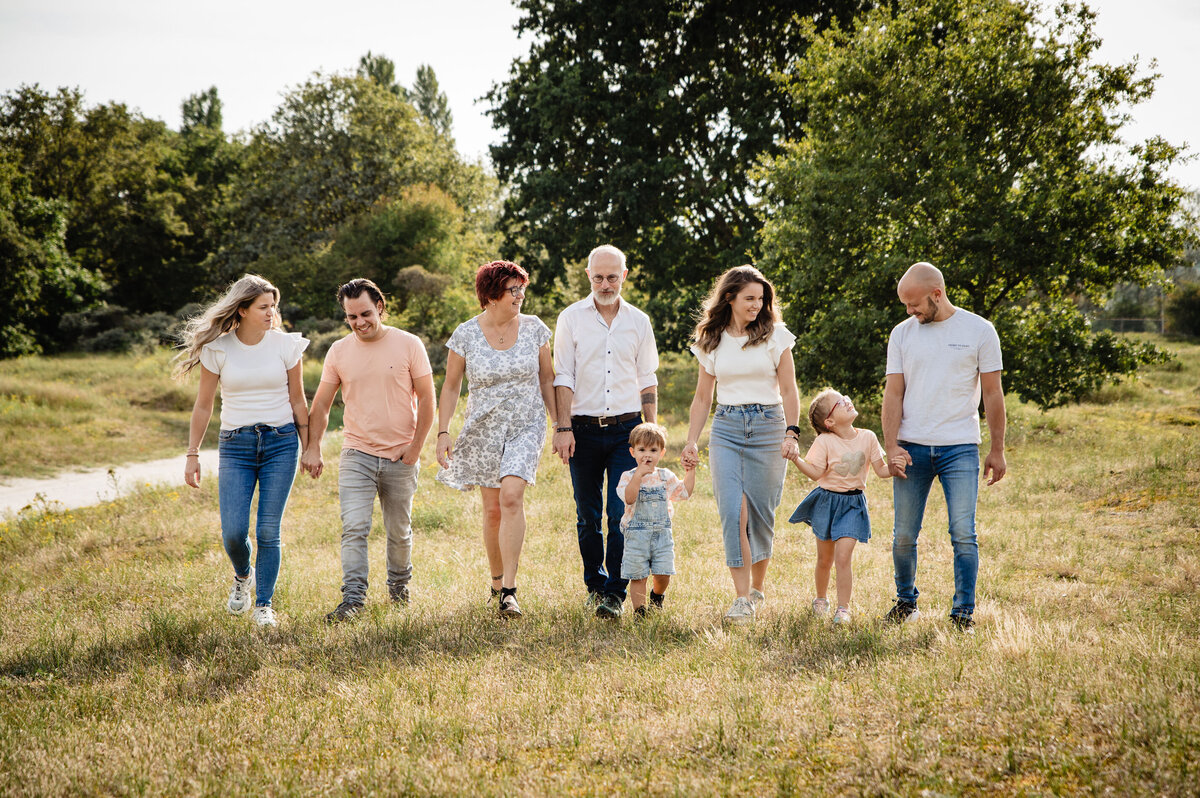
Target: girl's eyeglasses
843, 402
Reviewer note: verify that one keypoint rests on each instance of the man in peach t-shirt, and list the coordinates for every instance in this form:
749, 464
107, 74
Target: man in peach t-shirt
387, 385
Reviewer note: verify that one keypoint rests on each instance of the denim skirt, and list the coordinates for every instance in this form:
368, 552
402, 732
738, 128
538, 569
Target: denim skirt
834, 515
745, 458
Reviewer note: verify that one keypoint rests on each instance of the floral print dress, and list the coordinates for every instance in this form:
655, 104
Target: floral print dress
505, 427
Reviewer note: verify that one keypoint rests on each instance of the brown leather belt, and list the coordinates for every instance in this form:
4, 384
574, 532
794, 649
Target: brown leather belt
604, 421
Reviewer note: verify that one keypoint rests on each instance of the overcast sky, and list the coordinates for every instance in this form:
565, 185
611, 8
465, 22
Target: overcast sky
151, 54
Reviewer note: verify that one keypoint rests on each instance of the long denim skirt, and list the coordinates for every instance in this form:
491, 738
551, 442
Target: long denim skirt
744, 453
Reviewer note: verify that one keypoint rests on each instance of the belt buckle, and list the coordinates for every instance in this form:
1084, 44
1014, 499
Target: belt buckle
600, 420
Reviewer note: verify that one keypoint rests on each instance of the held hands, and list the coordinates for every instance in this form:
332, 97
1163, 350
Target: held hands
445, 451
311, 462
789, 449
898, 460
563, 445
689, 458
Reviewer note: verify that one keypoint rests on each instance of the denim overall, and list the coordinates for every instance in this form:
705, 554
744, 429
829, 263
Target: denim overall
649, 546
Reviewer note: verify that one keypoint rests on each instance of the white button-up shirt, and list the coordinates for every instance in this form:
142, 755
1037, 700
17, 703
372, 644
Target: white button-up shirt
606, 366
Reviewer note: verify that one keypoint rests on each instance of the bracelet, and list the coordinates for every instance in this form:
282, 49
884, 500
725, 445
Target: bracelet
444, 432
564, 429
795, 438
793, 428
191, 454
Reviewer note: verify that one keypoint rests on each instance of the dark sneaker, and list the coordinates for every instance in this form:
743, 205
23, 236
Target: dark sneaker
344, 612
399, 594
902, 612
964, 623
656, 600
640, 612
609, 607
594, 600
508, 603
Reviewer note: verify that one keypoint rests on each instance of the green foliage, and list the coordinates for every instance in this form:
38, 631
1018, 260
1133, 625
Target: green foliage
968, 135
1183, 309
335, 153
39, 280
635, 123
431, 101
382, 71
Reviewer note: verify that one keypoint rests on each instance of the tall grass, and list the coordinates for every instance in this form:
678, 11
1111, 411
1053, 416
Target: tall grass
121, 673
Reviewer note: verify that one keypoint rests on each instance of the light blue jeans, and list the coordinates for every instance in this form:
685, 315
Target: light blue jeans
957, 468
266, 456
746, 460
362, 477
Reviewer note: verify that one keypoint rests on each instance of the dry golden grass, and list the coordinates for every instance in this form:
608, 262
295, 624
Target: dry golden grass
121, 673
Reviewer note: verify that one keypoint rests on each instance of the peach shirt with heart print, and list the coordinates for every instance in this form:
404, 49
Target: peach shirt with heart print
844, 462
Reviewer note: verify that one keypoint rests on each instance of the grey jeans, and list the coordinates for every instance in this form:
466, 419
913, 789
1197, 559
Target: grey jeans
361, 477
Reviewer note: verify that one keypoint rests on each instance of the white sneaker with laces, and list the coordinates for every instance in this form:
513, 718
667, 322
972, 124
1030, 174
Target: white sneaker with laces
842, 616
264, 616
240, 595
741, 613
757, 598
820, 606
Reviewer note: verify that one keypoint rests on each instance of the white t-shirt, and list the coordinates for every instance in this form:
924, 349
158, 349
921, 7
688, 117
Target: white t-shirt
941, 363
747, 376
606, 365
254, 386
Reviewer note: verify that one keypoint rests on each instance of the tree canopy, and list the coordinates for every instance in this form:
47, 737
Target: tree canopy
972, 136
635, 124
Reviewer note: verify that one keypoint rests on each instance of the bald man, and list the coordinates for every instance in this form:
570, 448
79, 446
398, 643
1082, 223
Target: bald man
940, 361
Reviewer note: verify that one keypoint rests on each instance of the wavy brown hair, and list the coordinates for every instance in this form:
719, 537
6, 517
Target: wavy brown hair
715, 313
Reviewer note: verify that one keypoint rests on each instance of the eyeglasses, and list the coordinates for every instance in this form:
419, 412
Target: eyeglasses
516, 291
600, 279
843, 402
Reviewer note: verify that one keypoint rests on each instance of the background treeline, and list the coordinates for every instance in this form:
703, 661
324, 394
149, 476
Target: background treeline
832, 142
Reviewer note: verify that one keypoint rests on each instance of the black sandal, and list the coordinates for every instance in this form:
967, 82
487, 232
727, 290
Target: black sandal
495, 590
508, 603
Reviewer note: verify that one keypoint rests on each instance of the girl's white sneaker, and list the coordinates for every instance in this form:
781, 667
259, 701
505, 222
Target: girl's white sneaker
841, 616
820, 606
264, 616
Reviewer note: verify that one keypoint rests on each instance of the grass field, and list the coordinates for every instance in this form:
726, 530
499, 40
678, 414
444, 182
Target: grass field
121, 673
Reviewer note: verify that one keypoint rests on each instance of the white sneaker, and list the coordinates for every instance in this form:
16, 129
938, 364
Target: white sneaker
741, 613
842, 616
757, 598
264, 616
239, 596
820, 606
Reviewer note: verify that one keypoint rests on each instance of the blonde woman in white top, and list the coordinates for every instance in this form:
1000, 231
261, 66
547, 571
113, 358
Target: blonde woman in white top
238, 345
745, 357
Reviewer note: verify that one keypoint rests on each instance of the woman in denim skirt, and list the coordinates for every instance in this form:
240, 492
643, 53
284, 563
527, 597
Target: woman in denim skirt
744, 352
238, 345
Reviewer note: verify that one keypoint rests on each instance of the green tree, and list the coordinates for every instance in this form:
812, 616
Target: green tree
431, 101
970, 135
39, 282
115, 172
334, 150
636, 123
382, 71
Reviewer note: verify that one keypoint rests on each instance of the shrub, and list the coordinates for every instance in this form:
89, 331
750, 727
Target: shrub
1183, 309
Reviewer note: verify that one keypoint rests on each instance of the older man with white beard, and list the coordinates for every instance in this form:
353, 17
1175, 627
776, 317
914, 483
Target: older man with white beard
605, 360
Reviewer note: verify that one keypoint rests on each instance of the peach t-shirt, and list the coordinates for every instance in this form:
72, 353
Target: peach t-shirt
845, 461
376, 378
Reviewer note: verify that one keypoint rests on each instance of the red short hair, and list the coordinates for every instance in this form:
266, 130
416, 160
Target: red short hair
491, 277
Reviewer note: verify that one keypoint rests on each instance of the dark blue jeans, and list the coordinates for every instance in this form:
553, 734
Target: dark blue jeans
600, 452
265, 456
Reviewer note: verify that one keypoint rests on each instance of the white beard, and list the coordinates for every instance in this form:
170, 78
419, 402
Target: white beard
606, 301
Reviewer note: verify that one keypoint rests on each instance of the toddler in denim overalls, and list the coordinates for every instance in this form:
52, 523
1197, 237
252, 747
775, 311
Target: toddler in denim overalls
649, 492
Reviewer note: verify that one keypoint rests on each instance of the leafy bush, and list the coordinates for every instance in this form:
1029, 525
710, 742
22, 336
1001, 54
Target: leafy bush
1183, 309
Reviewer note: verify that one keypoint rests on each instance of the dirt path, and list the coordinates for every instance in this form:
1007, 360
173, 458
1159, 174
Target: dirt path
81, 488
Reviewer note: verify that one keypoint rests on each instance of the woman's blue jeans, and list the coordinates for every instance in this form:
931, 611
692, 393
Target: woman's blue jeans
957, 468
265, 456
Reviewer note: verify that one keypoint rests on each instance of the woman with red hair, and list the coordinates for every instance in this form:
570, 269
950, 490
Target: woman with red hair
505, 355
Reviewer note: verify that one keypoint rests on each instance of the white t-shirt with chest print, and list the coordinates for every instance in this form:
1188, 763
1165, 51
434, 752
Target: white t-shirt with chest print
941, 362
